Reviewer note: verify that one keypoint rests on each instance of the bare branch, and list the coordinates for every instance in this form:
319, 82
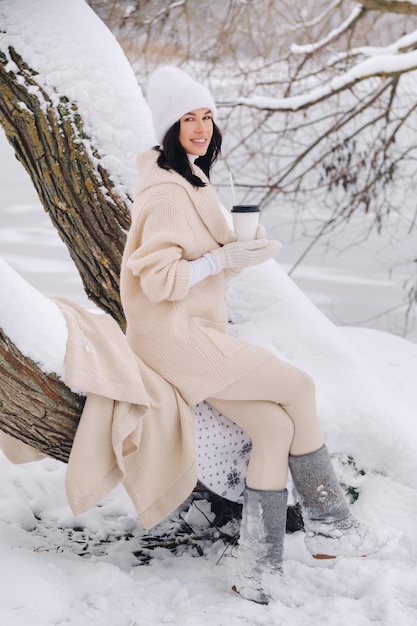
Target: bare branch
319, 19
354, 17
405, 7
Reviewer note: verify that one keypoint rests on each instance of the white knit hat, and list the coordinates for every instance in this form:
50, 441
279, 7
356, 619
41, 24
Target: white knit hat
172, 94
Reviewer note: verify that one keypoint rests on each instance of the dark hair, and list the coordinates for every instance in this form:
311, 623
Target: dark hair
174, 157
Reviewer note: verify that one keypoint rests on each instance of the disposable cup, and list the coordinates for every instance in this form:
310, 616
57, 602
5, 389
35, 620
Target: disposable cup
245, 221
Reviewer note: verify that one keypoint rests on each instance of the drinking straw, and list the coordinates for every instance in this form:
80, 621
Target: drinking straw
232, 187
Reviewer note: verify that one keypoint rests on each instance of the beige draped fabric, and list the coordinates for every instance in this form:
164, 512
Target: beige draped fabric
135, 428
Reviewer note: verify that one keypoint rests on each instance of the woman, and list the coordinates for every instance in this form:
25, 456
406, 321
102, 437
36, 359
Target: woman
178, 254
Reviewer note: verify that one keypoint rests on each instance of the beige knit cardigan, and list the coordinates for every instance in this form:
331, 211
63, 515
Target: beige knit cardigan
178, 331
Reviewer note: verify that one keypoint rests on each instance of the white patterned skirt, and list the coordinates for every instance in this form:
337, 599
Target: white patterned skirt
223, 451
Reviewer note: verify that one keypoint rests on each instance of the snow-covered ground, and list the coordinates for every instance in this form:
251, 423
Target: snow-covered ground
59, 570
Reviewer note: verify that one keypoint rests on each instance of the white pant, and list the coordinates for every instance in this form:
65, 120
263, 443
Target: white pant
276, 406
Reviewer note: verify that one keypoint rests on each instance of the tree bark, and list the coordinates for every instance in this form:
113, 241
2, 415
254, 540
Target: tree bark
36, 408
92, 220
80, 199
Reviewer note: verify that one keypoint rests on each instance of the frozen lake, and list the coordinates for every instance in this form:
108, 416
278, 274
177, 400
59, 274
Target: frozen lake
354, 287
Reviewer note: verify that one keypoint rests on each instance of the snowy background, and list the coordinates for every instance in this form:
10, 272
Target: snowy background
59, 570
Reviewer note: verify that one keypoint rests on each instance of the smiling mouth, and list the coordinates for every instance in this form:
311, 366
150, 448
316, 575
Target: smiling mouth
200, 141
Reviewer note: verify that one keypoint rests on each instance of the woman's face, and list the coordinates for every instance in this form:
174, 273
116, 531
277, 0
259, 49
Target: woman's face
196, 131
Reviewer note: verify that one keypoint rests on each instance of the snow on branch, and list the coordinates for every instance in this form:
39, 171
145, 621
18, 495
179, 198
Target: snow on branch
356, 14
70, 103
405, 43
54, 37
32, 321
382, 66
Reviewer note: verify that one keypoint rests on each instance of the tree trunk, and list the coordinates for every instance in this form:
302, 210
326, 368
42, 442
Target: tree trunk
80, 199
92, 220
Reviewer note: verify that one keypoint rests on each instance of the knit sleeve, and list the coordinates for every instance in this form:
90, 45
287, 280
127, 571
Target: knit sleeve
163, 238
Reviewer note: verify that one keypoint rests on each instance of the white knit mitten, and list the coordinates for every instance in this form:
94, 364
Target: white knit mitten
241, 254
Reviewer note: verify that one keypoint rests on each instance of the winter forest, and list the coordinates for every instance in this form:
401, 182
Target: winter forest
317, 107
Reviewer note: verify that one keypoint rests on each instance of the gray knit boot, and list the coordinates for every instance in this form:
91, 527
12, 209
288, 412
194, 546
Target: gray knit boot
261, 544
331, 530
